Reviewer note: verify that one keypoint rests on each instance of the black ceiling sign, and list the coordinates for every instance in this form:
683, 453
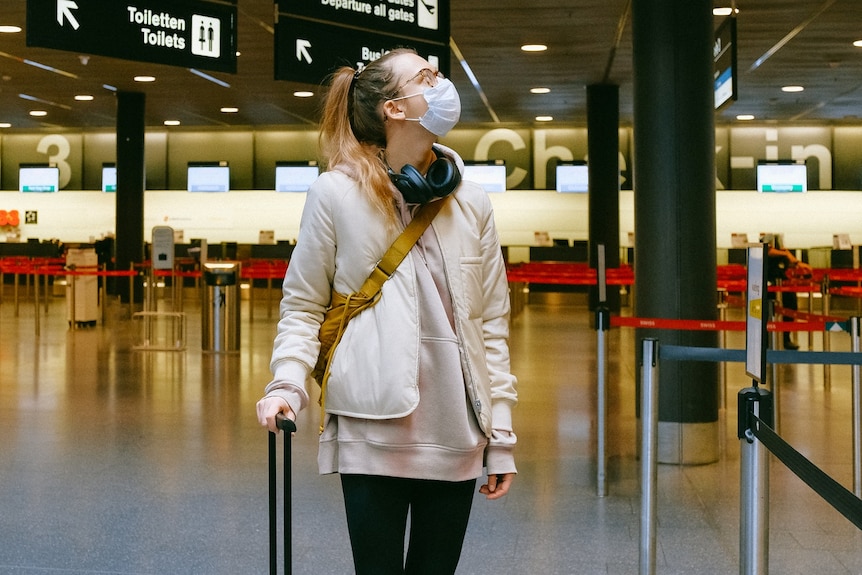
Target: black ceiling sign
189, 34
314, 37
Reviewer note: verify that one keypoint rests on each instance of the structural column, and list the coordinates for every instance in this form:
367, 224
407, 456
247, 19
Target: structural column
674, 189
603, 118
130, 188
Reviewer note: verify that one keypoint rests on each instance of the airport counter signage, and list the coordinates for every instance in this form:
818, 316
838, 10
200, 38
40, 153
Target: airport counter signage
188, 34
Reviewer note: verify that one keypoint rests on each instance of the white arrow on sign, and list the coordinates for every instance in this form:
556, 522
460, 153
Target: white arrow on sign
64, 8
302, 47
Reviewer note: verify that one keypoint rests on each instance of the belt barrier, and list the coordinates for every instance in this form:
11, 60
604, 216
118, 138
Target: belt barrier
830, 490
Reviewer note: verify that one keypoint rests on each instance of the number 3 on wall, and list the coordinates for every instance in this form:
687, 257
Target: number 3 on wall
61, 147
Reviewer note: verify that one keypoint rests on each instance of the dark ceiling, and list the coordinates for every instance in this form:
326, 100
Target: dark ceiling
805, 42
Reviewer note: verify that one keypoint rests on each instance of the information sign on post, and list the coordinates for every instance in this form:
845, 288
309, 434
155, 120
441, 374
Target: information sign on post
755, 316
186, 33
313, 38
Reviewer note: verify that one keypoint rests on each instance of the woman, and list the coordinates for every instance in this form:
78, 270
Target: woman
419, 394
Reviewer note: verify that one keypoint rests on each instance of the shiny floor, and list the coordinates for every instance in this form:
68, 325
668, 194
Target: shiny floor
120, 461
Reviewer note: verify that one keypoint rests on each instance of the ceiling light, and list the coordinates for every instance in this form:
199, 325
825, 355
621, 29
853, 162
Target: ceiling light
229, 110
858, 43
172, 122
303, 94
9, 29
724, 11
534, 47
745, 117
145, 78
539, 90
84, 98
544, 118
38, 113
5, 125
792, 89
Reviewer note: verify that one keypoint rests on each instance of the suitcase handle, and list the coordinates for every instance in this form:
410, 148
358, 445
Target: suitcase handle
284, 423
288, 426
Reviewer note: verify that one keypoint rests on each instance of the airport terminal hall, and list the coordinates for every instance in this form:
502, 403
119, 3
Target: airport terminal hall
437, 287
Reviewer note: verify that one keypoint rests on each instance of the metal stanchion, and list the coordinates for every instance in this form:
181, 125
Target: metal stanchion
754, 484
827, 343
722, 316
857, 410
774, 380
603, 324
36, 302
649, 455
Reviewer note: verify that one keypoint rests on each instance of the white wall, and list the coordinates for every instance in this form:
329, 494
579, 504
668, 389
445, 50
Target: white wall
807, 220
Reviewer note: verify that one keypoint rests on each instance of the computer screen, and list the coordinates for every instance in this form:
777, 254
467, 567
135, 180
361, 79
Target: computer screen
208, 177
109, 178
295, 176
38, 178
782, 177
572, 178
491, 175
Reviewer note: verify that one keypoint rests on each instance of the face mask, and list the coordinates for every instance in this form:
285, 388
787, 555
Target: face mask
444, 108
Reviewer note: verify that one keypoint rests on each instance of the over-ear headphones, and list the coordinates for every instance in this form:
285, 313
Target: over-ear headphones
442, 178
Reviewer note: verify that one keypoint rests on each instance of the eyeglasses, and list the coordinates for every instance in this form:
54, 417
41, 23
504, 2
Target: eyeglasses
426, 76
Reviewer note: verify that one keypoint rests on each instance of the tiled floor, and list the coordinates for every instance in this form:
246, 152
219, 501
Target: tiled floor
115, 461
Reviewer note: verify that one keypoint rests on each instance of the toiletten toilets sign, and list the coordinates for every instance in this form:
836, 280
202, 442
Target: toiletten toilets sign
186, 33
314, 37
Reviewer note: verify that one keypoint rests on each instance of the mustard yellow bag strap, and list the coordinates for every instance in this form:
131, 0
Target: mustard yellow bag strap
401, 247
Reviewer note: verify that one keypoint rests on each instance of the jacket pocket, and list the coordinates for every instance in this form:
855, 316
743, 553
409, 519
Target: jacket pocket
471, 282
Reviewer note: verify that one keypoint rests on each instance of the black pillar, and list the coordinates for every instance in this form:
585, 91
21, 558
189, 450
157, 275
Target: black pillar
603, 118
130, 188
674, 188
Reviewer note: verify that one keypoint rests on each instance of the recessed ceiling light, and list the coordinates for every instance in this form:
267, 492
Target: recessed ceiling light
724, 11
745, 117
145, 78
792, 89
858, 43
84, 98
303, 94
544, 118
539, 90
9, 29
229, 110
534, 47
5, 125
38, 113
172, 122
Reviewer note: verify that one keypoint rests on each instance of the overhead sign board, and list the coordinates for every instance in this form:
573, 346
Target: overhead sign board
725, 66
190, 34
315, 37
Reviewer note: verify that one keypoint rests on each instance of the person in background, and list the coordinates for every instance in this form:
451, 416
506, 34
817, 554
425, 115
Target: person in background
420, 394
779, 263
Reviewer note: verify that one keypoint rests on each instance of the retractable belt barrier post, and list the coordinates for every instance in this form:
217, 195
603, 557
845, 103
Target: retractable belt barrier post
754, 483
649, 455
857, 410
603, 324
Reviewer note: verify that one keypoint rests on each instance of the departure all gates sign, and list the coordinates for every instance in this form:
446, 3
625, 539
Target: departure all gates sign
314, 37
189, 34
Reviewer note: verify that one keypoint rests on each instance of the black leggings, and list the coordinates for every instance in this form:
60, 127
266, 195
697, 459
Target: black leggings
377, 509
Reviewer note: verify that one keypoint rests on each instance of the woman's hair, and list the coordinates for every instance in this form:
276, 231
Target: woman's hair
352, 125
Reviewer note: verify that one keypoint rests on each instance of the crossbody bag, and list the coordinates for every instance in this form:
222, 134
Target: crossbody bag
342, 308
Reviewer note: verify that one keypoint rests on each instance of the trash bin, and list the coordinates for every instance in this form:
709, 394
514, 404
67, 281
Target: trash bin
220, 327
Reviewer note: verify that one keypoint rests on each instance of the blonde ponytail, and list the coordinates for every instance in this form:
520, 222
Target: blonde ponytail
352, 130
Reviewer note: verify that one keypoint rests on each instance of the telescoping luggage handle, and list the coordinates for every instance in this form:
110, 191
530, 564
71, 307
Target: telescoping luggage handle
288, 427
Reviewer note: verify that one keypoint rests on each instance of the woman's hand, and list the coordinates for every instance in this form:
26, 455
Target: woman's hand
269, 407
497, 486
